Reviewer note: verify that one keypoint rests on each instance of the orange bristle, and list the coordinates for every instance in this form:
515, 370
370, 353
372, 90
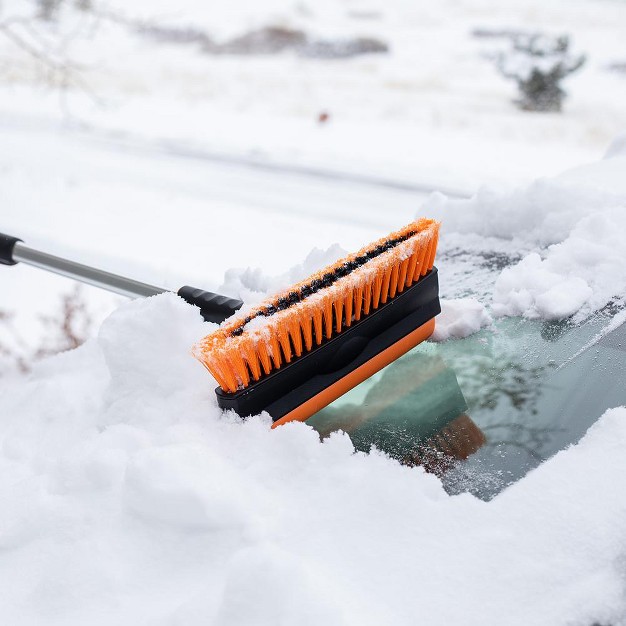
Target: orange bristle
274, 349
295, 334
251, 345
317, 321
328, 316
307, 332
402, 275
377, 288
264, 357
358, 303
283, 338
367, 298
410, 272
347, 304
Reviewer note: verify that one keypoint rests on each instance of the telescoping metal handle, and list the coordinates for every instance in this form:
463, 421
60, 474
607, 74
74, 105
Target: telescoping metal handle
213, 307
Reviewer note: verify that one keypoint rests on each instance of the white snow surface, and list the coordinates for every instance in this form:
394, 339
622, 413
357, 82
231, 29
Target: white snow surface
127, 496
137, 172
576, 221
434, 107
460, 317
129, 499
253, 284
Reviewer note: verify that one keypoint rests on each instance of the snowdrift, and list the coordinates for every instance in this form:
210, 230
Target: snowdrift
577, 224
129, 499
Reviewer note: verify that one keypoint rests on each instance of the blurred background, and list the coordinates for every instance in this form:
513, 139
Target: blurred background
219, 144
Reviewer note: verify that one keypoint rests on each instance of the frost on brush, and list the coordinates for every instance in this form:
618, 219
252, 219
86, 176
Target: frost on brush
539, 63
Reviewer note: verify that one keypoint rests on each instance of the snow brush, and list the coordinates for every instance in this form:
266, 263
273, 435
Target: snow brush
304, 347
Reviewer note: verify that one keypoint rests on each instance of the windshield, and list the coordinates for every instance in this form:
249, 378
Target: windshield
483, 411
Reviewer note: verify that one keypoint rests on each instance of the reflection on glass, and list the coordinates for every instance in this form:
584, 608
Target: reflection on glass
414, 411
530, 388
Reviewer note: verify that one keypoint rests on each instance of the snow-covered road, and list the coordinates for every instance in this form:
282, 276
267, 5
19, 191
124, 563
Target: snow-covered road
171, 216
129, 202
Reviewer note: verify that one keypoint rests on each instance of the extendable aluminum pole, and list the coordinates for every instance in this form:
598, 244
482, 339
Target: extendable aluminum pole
213, 307
90, 275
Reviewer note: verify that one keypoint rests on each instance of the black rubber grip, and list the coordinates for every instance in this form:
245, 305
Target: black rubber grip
6, 249
213, 307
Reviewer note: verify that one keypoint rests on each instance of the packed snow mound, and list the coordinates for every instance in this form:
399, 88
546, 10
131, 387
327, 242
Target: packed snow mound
253, 284
576, 221
460, 317
129, 498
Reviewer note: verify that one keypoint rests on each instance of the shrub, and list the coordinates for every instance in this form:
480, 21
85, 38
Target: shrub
539, 63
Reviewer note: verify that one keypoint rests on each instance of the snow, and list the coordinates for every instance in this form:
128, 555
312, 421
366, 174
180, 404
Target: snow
577, 224
460, 318
164, 130
532, 290
435, 108
128, 497
169, 221
538, 54
253, 284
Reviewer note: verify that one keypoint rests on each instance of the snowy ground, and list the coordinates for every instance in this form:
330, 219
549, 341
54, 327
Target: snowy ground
142, 131
172, 220
434, 108
127, 497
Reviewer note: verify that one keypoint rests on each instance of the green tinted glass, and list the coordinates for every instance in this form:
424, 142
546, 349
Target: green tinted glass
483, 411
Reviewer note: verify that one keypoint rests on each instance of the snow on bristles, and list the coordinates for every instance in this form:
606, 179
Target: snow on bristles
290, 323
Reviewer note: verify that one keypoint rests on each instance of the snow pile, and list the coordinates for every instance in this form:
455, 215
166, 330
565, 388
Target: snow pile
128, 499
253, 284
460, 318
577, 221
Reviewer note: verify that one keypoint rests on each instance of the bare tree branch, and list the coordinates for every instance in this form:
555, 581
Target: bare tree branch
60, 71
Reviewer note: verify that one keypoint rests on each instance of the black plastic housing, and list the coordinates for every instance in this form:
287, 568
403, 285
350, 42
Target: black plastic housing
213, 307
285, 389
6, 249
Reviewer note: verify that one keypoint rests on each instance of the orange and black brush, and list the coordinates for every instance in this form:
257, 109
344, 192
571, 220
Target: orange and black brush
303, 348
